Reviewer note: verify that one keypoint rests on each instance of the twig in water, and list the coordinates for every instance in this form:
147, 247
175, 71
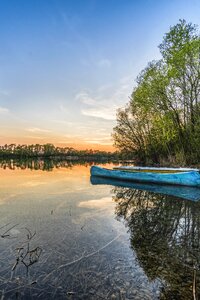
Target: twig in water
15, 265
83, 257
33, 256
5, 233
30, 235
4, 225
19, 249
24, 255
82, 226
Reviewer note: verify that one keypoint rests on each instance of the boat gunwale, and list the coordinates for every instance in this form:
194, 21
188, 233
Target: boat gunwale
124, 171
154, 169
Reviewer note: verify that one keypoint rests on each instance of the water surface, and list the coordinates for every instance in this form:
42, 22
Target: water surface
65, 238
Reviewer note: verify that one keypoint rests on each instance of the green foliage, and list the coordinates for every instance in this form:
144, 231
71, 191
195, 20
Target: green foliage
162, 119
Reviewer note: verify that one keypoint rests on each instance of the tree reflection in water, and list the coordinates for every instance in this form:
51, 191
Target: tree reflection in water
165, 235
43, 164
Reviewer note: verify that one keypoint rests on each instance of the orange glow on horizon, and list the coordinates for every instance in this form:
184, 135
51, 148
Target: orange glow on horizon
21, 137
77, 146
100, 147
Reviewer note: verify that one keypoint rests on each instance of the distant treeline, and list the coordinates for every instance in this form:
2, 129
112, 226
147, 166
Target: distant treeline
50, 151
161, 122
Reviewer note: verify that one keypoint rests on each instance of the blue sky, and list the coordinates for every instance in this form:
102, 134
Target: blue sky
67, 65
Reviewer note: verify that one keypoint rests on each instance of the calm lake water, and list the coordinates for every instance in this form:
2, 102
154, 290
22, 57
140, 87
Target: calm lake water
63, 237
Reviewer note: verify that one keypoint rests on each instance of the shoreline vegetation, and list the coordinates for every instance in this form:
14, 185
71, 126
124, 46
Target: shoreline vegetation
161, 123
49, 151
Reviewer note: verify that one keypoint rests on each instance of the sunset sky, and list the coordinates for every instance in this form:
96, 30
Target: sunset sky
67, 65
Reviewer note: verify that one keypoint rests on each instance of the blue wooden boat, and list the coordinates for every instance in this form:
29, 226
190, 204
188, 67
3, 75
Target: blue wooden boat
183, 192
187, 177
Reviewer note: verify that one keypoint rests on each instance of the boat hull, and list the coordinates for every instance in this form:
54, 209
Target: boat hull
191, 178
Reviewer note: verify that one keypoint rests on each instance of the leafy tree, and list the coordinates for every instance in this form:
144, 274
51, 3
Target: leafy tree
162, 118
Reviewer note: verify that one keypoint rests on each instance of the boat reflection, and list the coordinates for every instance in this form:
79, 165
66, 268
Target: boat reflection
164, 233
188, 193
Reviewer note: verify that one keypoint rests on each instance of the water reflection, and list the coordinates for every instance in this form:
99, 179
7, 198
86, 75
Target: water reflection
85, 250
165, 234
74, 246
45, 164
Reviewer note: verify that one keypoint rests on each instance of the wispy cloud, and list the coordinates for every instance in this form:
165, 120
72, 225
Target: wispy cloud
103, 103
94, 106
85, 98
35, 137
100, 111
4, 110
63, 122
103, 140
37, 130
